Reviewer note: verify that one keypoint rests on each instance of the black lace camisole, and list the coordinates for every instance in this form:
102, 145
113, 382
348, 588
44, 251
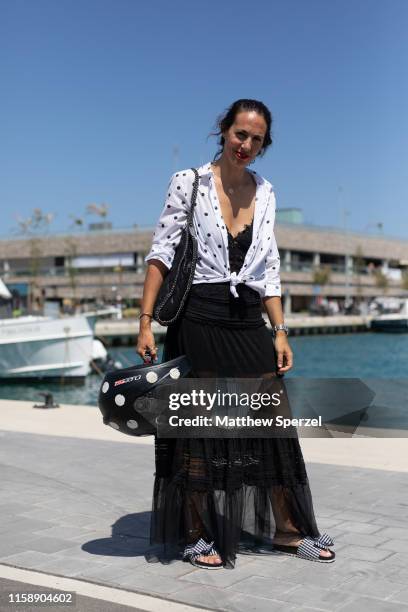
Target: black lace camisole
214, 302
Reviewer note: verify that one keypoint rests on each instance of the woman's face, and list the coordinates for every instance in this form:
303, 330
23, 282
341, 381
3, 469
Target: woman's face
245, 137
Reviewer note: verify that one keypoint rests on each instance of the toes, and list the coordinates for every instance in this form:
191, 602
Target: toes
211, 559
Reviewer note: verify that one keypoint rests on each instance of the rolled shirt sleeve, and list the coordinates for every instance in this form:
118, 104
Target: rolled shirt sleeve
173, 218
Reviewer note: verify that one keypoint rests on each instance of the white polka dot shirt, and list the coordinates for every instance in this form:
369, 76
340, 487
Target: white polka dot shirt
260, 269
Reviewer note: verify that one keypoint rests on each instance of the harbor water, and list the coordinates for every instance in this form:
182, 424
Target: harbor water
365, 355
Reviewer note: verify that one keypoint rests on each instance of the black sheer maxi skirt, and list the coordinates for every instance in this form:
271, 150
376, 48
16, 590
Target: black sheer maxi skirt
238, 492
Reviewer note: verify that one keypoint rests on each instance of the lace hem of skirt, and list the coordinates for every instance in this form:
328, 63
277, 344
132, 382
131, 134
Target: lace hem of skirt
242, 520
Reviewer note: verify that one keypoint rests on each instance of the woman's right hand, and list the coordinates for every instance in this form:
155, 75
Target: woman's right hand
156, 271
145, 342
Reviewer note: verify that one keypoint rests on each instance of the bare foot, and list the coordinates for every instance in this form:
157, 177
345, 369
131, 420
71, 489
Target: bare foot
325, 553
211, 559
286, 541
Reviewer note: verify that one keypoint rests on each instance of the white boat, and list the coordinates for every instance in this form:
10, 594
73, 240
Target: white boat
36, 347
109, 312
396, 322
4, 292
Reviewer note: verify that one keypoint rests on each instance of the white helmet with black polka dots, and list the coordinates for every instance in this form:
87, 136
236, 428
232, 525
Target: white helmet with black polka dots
123, 391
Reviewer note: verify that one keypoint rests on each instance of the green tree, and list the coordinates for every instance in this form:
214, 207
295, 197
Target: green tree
35, 228
404, 279
321, 275
102, 212
381, 280
359, 265
71, 251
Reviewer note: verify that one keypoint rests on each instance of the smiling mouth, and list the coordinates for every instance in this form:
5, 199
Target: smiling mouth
241, 155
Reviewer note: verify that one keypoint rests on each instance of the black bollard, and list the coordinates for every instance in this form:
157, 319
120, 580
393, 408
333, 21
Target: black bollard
48, 401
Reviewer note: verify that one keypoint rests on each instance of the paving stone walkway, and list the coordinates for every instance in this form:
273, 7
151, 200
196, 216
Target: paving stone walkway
80, 508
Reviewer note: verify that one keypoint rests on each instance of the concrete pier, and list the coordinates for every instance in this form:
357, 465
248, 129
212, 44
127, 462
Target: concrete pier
75, 509
124, 332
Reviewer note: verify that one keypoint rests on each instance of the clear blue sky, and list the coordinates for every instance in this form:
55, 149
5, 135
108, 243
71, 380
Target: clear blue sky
96, 94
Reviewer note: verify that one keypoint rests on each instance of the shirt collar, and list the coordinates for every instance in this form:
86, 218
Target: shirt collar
206, 170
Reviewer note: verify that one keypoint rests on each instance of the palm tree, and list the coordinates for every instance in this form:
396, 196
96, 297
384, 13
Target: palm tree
71, 252
404, 280
100, 211
33, 228
381, 280
359, 264
76, 221
321, 275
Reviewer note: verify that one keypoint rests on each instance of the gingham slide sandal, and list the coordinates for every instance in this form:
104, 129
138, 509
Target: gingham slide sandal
309, 549
201, 548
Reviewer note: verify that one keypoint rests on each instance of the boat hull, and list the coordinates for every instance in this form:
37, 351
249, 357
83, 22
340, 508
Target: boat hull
41, 348
393, 326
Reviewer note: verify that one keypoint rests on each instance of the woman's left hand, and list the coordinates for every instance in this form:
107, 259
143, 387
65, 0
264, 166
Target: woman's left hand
283, 353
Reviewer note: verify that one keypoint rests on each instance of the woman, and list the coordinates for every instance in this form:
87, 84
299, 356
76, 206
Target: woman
215, 497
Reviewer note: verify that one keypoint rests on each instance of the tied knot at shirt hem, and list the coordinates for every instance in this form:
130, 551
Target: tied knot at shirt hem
234, 281
270, 290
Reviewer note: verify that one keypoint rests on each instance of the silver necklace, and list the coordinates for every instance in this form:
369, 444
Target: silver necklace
230, 190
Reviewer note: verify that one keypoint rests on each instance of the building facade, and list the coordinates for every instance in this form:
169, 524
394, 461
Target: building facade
104, 266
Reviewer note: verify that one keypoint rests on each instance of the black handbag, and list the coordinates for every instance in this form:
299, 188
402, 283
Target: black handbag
177, 282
